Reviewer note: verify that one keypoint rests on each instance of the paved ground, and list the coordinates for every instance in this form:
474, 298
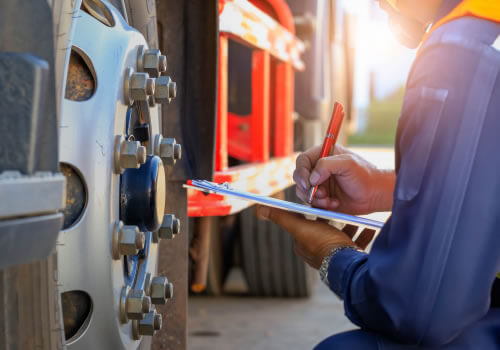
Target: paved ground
239, 322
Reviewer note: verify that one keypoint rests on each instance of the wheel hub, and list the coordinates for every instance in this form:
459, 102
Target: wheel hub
109, 253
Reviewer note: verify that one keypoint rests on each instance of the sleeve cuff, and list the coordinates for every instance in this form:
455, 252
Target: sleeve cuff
339, 267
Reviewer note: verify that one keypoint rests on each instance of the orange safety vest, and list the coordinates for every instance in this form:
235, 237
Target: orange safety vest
485, 9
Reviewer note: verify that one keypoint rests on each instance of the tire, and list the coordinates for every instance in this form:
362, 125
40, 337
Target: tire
215, 273
31, 315
270, 265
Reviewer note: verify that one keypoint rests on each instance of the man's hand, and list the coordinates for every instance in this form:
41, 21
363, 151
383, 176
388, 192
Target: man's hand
347, 182
314, 239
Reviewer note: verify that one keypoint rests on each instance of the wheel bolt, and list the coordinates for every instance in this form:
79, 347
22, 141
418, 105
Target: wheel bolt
129, 154
130, 240
151, 323
170, 226
165, 89
161, 290
137, 305
167, 149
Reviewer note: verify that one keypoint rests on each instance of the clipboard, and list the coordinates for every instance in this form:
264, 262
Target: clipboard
307, 211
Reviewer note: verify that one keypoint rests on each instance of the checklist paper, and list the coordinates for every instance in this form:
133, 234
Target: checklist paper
309, 212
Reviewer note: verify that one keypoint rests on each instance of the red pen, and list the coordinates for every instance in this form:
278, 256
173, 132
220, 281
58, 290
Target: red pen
330, 139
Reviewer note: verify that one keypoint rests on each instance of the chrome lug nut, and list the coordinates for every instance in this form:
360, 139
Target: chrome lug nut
165, 89
167, 149
151, 61
137, 305
161, 290
127, 240
133, 304
128, 154
137, 86
148, 326
141, 85
170, 226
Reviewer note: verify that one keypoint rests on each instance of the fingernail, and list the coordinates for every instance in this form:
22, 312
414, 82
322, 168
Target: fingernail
314, 178
264, 212
335, 203
303, 184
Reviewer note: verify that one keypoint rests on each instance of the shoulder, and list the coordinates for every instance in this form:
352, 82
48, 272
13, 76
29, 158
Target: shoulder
467, 32
452, 54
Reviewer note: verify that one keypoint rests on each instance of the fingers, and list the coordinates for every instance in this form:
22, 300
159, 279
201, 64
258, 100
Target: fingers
307, 160
301, 178
328, 166
303, 166
303, 194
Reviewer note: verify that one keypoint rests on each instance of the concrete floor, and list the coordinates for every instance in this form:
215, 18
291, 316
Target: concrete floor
241, 322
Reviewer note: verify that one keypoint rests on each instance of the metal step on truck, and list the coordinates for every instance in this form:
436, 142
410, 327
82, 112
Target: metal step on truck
108, 108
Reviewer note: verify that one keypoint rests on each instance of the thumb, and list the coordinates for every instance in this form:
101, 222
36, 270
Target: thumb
328, 166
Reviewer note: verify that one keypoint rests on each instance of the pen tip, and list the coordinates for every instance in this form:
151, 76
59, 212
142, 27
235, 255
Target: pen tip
311, 195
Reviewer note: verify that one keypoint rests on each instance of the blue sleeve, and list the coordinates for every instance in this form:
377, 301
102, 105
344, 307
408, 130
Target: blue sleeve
431, 269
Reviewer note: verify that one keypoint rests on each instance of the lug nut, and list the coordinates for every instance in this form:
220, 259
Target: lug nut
151, 61
138, 304
161, 290
130, 240
127, 240
170, 226
141, 85
151, 323
165, 89
128, 154
167, 149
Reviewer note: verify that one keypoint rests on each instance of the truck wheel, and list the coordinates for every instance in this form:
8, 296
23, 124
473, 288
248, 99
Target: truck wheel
110, 153
270, 265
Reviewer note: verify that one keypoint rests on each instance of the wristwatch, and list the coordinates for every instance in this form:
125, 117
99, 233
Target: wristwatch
323, 270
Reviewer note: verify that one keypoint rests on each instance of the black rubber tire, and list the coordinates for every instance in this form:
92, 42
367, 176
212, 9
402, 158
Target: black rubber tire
141, 15
270, 265
31, 317
215, 273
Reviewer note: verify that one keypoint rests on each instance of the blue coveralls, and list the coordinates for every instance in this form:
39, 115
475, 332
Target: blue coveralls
428, 282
